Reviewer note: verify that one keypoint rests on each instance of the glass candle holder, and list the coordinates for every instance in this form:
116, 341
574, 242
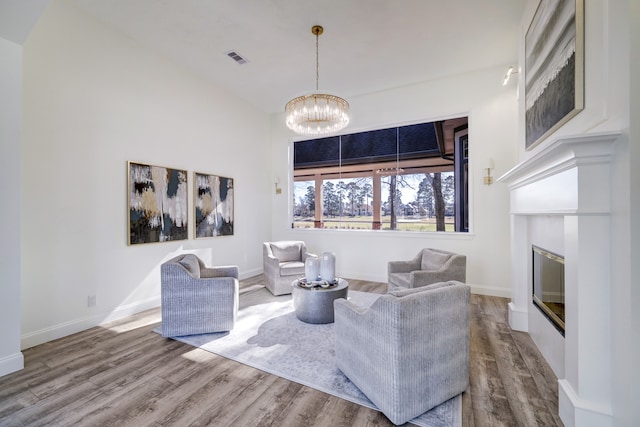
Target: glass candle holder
328, 266
311, 269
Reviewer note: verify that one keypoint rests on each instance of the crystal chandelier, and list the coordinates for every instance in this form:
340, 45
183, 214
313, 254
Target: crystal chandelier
317, 114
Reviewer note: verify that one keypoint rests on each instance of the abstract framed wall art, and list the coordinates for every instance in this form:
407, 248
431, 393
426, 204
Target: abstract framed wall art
157, 201
213, 201
554, 68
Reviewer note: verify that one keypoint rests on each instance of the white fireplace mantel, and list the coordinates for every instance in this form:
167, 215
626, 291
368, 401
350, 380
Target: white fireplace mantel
567, 185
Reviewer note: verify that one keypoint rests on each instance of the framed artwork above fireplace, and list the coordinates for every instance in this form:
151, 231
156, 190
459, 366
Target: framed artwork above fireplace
554, 68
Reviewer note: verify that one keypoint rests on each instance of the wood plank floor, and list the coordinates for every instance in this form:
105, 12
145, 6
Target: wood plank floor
122, 374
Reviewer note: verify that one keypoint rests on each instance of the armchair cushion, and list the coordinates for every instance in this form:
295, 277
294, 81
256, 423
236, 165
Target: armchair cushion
286, 251
291, 268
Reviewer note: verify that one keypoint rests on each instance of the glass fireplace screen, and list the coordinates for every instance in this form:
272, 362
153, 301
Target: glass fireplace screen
548, 285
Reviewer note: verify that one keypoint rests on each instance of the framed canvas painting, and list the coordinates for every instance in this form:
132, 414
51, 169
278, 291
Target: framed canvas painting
213, 201
157, 201
554, 68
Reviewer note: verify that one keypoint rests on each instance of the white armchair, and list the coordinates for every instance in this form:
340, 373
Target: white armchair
282, 262
429, 266
409, 351
197, 299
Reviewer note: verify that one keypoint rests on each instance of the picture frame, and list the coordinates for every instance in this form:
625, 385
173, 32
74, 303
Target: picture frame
213, 205
157, 203
554, 68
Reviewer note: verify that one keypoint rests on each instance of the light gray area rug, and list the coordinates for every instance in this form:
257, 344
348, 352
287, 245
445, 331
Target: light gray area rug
268, 336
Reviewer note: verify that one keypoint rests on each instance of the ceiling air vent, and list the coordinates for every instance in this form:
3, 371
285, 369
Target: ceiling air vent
236, 57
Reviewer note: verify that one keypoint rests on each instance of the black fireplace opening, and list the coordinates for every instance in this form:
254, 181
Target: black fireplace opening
548, 285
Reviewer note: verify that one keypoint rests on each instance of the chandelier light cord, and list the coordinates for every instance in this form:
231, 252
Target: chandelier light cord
317, 114
317, 30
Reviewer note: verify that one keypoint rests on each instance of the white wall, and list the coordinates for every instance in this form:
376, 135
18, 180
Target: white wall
627, 343
93, 100
624, 60
627, 368
10, 133
493, 121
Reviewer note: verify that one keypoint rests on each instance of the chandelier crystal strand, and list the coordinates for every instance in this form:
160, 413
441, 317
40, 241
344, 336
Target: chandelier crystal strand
317, 114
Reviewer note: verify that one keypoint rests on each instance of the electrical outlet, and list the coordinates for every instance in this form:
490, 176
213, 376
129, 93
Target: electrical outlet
91, 301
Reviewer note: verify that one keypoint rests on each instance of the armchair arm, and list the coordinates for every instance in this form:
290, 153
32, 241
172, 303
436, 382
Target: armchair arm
353, 333
270, 265
219, 271
308, 255
216, 285
268, 257
346, 307
456, 267
364, 340
405, 266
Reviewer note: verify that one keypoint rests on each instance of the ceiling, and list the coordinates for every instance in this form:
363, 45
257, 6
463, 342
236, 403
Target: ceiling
367, 45
17, 18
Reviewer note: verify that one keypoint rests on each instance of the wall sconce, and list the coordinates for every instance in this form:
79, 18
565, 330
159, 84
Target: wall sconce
511, 70
488, 180
277, 184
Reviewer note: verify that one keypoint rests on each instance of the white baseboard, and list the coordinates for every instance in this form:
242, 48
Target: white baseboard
60, 330
130, 309
492, 291
64, 329
249, 273
575, 411
363, 276
518, 318
12, 363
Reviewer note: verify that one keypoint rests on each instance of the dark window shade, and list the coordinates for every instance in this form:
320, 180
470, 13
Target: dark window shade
417, 141
367, 147
414, 141
316, 152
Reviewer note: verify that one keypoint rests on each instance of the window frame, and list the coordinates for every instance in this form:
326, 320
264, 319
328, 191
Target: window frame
460, 133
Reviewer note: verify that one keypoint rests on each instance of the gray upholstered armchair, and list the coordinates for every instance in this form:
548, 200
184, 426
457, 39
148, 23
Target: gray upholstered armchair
197, 299
409, 351
283, 261
429, 266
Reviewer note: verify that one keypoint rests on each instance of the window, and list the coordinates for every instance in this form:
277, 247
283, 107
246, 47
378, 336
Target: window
408, 178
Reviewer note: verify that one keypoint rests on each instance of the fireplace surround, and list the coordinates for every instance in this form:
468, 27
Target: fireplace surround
559, 200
